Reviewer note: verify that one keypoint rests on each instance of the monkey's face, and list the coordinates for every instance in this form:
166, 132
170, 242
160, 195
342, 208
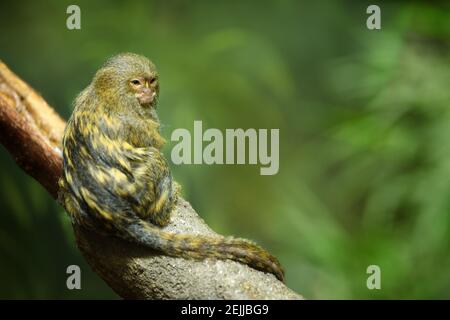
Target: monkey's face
145, 89
128, 83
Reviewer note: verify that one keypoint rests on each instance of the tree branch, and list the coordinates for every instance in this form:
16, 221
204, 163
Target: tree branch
31, 131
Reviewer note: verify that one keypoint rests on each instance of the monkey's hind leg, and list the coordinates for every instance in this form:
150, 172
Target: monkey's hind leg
163, 204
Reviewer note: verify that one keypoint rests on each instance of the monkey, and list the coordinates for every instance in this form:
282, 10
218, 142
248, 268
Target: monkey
115, 178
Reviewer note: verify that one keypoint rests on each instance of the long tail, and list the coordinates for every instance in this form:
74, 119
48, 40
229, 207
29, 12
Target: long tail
201, 247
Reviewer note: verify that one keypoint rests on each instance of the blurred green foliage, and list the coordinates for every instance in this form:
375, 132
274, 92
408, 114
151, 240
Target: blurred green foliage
364, 119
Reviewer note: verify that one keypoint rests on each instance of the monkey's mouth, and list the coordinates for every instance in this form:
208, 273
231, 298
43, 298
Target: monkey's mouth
146, 97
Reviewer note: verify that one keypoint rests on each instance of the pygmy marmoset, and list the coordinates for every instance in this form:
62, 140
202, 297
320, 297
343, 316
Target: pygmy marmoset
117, 181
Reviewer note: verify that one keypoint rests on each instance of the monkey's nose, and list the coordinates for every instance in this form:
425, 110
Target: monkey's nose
146, 96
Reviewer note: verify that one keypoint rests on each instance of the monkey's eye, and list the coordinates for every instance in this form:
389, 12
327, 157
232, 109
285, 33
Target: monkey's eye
152, 80
135, 82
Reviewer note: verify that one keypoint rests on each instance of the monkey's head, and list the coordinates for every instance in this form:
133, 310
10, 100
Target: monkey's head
128, 81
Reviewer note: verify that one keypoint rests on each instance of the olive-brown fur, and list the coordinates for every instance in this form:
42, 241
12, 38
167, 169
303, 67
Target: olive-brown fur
116, 179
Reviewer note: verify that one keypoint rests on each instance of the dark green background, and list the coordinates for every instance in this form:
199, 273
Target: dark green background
364, 125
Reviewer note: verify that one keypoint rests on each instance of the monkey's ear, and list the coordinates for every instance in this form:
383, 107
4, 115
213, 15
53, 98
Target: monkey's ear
104, 77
